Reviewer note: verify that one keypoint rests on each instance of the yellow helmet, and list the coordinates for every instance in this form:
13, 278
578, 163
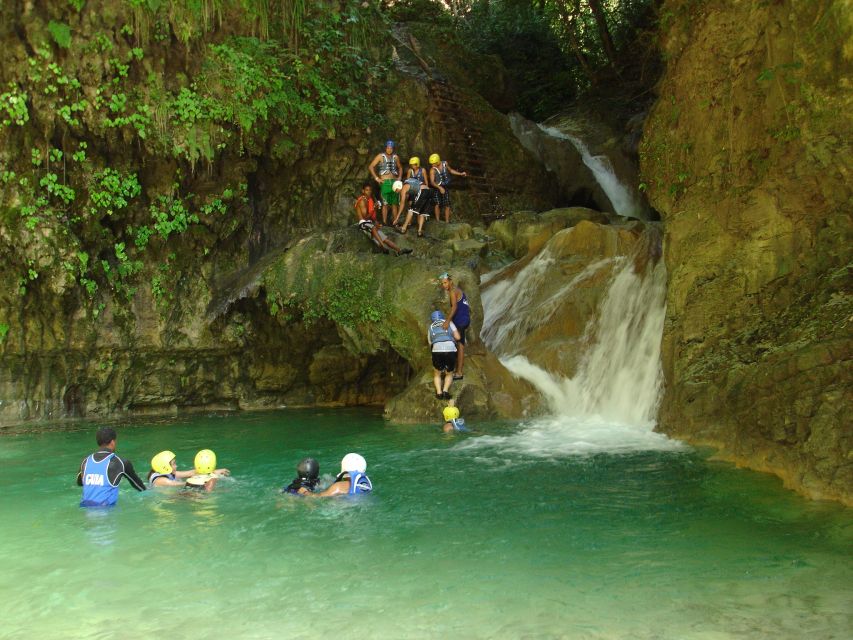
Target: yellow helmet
415, 161
450, 413
205, 461
434, 159
162, 462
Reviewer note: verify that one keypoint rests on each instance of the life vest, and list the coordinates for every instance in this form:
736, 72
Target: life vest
443, 174
458, 424
415, 187
387, 165
153, 476
418, 174
437, 333
97, 489
371, 207
359, 483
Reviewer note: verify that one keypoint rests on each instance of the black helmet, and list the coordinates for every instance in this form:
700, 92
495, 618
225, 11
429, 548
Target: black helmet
308, 468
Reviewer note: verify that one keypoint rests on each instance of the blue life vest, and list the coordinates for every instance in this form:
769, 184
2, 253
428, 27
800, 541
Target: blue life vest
387, 165
359, 483
437, 333
459, 424
97, 490
443, 174
462, 317
154, 476
415, 186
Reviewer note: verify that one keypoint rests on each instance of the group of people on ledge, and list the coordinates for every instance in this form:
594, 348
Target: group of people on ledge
417, 193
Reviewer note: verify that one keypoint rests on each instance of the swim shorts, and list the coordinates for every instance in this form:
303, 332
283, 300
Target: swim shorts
443, 199
461, 331
444, 360
388, 194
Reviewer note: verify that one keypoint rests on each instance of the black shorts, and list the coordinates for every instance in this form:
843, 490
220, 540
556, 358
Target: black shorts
444, 360
462, 331
421, 204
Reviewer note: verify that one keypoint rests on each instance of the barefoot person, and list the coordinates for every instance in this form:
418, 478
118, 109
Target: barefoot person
460, 315
386, 169
365, 213
439, 176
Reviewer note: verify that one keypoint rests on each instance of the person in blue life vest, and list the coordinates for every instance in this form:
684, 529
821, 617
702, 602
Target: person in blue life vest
452, 422
415, 199
307, 477
101, 472
352, 480
164, 471
365, 213
460, 315
206, 474
385, 168
442, 338
440, 173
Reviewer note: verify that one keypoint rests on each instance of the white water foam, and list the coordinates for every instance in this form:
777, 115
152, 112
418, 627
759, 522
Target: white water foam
623, 200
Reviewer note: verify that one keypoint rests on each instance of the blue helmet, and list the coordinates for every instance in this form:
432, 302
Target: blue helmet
437, 316
390, 143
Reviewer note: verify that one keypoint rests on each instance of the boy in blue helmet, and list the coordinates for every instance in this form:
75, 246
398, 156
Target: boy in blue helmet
385, 168
442, 337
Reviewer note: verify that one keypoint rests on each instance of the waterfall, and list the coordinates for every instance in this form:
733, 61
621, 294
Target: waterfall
623, 200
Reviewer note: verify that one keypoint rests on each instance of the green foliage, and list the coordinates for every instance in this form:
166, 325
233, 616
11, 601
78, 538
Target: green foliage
14, 104
4, 331
111, 191
60, 32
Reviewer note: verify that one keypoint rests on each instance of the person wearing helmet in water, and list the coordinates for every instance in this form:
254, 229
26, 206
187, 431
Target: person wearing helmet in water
307, 477
385, 169
101, 472
442, 337
164, 471
460, 314
452, 422
365, 213
415, 198
439, 179
206, 474
352, 480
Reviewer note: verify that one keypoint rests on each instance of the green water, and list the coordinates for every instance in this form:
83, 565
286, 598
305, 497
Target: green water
464, 537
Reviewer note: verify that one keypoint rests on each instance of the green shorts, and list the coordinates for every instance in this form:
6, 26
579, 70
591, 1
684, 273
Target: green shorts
389, 196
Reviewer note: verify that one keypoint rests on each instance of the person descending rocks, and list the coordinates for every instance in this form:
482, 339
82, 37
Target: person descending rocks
440, 173
452, 422
101, 472
307, 477
352, 480
365, 213
206, 473
415, 198
442, 337
164, 471
460, 315
386, 169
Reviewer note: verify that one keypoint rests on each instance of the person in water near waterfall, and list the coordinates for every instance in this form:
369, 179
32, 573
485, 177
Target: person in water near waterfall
101, 472
452, 422
442, 337
307, 477
352, 480
460, 315
385, 169
164, 471
206, 474
365, 213
439, 178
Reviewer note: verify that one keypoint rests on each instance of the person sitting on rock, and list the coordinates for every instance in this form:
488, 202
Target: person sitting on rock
416, 198
385, 169
307, 477
439, 178
164, 471
442, 337
206, 473
352, 480
365, 213
452, 422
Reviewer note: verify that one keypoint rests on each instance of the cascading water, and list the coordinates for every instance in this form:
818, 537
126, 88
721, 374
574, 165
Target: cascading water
610, 402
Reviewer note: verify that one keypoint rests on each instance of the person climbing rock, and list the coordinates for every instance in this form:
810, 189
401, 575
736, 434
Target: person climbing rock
307, 477
416, 198
385, 169
101, 472
442, 337
460, 315
352, 480
440, 173
365, 213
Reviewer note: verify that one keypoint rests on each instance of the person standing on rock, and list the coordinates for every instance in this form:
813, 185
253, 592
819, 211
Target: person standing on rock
415, 197
365, 213
439, 177
101, 472
460, 315
386, 169
442, 337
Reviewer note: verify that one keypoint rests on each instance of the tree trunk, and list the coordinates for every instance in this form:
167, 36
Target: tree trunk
603, 31
567, 16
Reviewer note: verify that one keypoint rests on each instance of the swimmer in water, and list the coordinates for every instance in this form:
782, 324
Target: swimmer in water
452, 422
206, 473
307, 477
164, 471
351, 480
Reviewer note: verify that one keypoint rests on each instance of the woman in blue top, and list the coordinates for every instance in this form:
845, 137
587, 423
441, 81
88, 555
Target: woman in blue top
460, 315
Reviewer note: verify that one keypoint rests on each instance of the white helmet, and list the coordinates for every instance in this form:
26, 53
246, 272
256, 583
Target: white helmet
353, 462
397, 186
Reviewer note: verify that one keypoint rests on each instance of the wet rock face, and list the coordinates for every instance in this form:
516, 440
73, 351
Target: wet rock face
747, 157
